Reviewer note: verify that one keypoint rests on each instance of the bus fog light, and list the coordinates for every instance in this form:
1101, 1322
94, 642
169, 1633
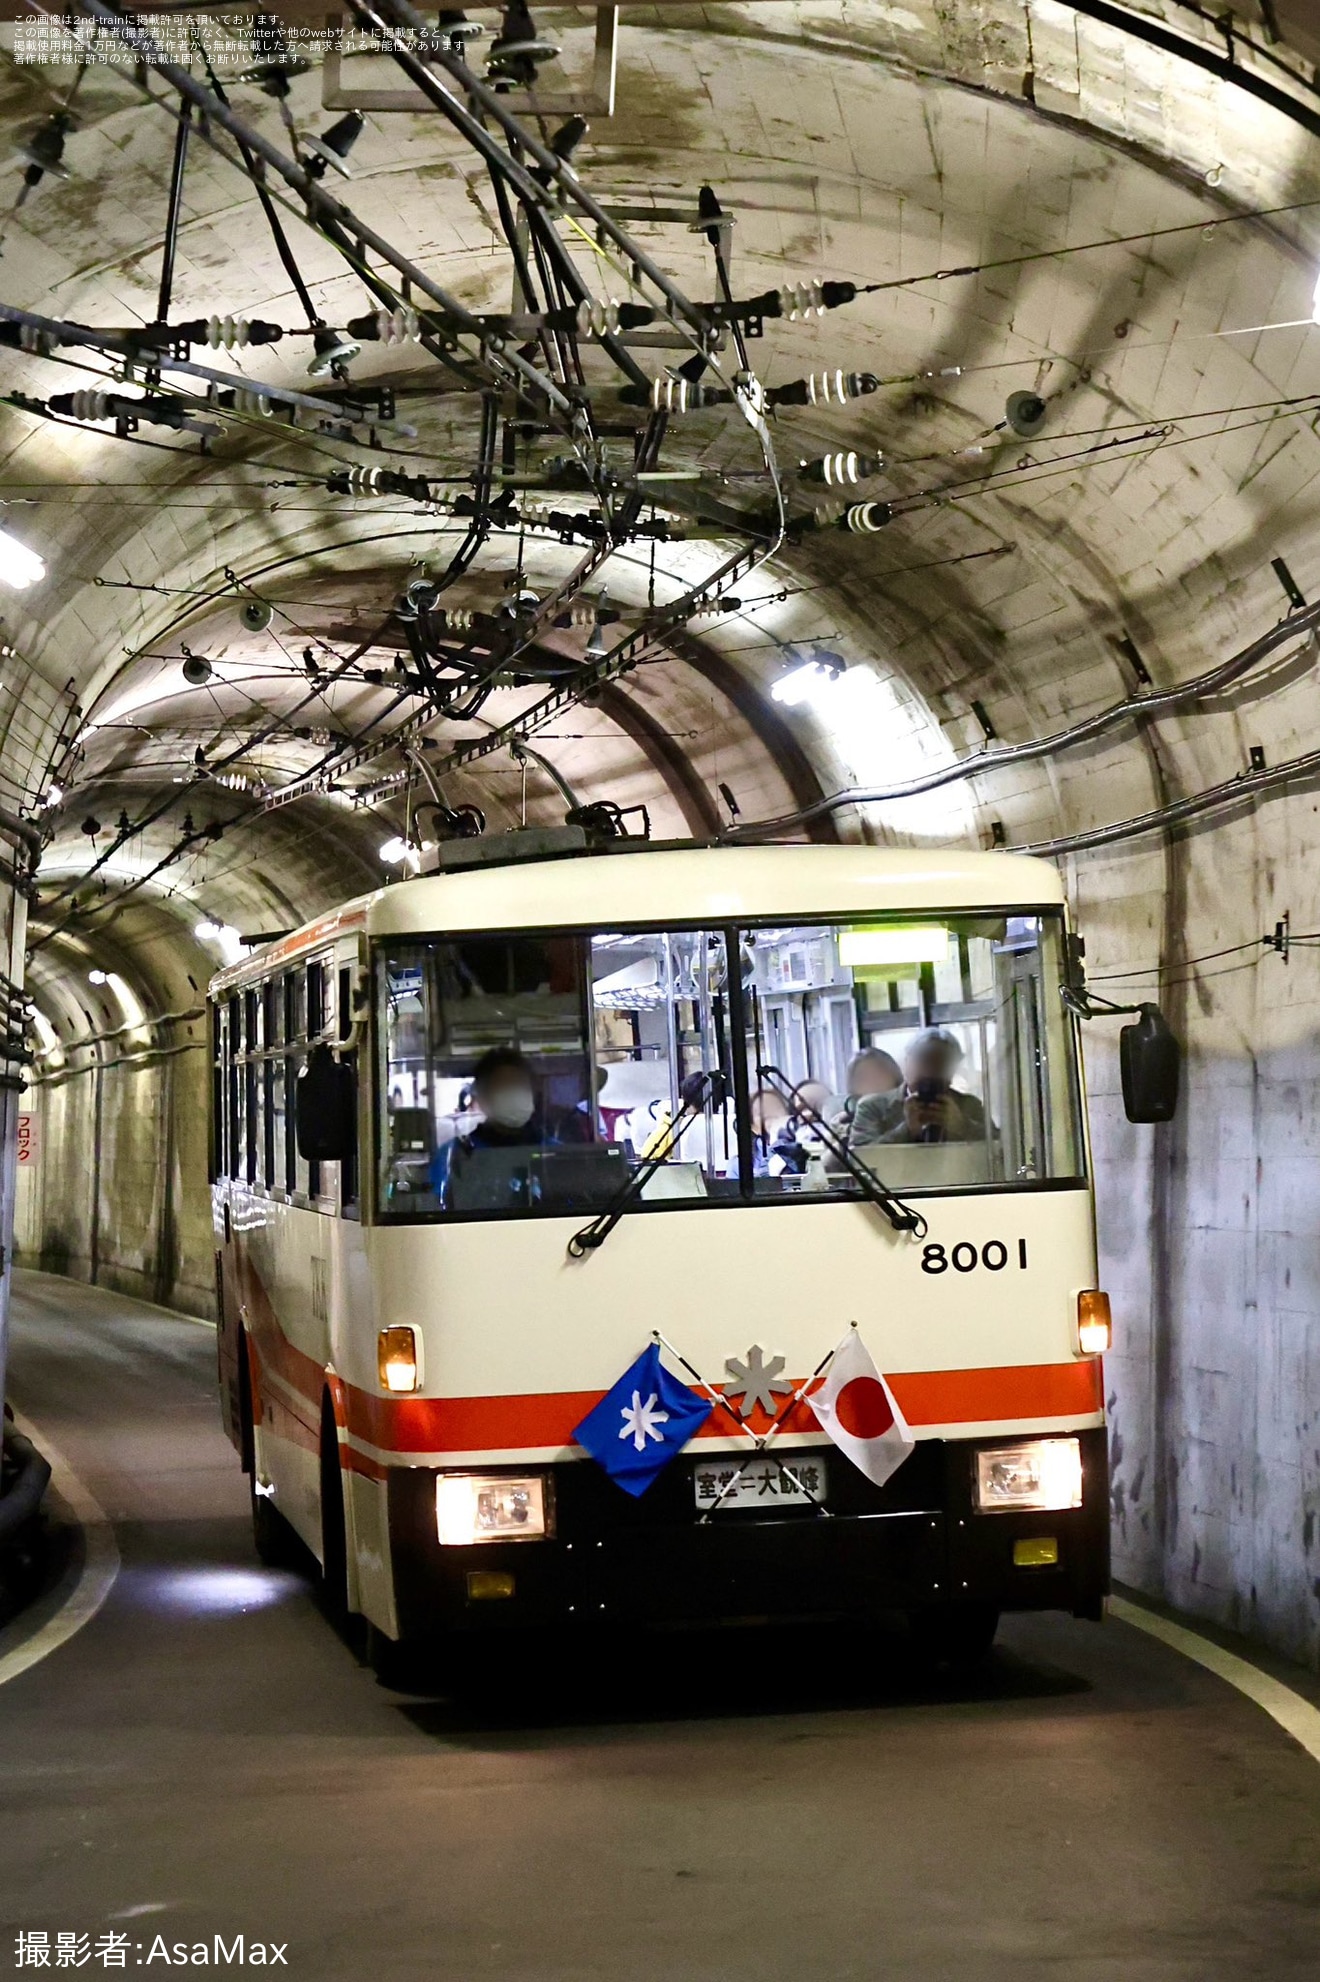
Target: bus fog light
1044, 1474
1095, 1329
397, 1360
472, 1508
483, 1585
1038, 1552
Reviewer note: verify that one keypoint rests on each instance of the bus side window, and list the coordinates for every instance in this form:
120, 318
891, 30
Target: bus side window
298, 1040
233, 1038
348, 1169
317, 1017
251, 1079
272, 1082
316, 990
288, 1153
216, 1140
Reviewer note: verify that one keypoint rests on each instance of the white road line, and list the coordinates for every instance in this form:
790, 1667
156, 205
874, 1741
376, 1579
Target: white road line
1294, 1714
96, 1577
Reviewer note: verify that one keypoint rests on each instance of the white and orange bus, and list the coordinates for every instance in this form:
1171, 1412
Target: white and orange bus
773, 1092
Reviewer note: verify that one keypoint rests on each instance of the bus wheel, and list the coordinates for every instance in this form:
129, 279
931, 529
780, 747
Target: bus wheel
272, 1537
959, 1635
334, 1531
391, 1662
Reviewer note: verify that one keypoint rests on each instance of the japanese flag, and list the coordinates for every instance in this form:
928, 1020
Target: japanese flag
859, 1411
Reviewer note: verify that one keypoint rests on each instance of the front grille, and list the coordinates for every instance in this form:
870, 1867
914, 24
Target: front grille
588, 1502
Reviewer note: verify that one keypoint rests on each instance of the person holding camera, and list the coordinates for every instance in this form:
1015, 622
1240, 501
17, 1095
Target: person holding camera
927, 1107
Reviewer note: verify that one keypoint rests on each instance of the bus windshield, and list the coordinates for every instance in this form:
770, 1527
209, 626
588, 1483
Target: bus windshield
535, 1073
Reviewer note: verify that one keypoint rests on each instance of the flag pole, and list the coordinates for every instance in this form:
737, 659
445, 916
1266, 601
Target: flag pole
760, 1440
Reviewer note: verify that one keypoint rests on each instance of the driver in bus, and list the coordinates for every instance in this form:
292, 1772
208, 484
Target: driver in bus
926, 1107
504, 1091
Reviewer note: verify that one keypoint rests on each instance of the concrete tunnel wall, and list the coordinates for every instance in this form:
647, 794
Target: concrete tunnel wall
1209, 1228
119, 1196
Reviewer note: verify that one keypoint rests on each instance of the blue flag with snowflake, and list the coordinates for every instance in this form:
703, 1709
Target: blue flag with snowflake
642, 1423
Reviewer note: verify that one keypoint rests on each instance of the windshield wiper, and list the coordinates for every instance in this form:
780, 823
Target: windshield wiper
697, 1092
900, 1215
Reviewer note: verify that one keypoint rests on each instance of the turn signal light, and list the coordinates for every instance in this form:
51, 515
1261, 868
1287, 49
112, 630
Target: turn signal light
396, 1357
1095, 1329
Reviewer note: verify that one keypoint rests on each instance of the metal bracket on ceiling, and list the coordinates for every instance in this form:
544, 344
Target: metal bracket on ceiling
695, 222
595, 101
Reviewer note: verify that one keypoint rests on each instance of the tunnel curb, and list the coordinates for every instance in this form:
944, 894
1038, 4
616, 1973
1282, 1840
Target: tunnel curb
1287, 1705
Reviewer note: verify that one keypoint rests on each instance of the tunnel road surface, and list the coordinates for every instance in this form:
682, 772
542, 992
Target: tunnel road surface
206, 1757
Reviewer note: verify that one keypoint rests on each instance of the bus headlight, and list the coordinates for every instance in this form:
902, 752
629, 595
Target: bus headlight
397, 1359
470, 1507
1043, 1474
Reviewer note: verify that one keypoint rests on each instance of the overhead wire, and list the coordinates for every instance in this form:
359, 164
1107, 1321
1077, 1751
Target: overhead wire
1086, 247
1054, 465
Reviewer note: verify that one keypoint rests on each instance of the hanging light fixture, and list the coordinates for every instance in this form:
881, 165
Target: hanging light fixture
1025, 413
43, 152
333, 146
19, 567
518, 50
806, 681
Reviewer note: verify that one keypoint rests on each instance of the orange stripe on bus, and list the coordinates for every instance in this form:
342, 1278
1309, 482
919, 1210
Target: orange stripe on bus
1023, 1391
927, 1397
1033, 1390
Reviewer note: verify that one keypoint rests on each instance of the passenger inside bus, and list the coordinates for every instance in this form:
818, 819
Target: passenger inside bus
504, 1091
871, 1071
927, 1107
781, 1139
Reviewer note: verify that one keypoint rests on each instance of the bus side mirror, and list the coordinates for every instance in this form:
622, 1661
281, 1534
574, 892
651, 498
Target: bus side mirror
1149, 1059
325, 1108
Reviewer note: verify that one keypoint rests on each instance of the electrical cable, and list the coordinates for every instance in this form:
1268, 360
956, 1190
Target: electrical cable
1181, 963
221, 765
1132, 708
1084, 247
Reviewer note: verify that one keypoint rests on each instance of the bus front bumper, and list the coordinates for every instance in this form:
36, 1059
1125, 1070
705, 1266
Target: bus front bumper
916, 1543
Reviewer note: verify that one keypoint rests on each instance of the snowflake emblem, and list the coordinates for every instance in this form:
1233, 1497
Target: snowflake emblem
756, 1381
640, 1421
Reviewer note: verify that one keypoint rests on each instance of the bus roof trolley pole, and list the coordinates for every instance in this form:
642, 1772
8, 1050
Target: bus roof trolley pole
900, 1215
698, 1091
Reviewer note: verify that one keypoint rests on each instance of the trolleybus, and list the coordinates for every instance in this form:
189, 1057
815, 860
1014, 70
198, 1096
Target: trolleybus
764, 1094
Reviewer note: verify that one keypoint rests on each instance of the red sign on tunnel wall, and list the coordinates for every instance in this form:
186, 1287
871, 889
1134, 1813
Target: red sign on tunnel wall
29, 1141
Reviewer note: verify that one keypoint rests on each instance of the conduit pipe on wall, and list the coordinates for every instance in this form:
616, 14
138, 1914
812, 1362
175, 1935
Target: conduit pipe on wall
1247, 784
22, 831
59, 1075
1133, 708
123, 1059
90, 1039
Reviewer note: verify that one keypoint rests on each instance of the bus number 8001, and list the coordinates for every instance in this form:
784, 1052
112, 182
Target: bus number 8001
965, 1257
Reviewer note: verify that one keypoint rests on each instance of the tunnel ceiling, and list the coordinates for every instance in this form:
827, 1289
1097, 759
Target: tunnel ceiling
1109, 217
